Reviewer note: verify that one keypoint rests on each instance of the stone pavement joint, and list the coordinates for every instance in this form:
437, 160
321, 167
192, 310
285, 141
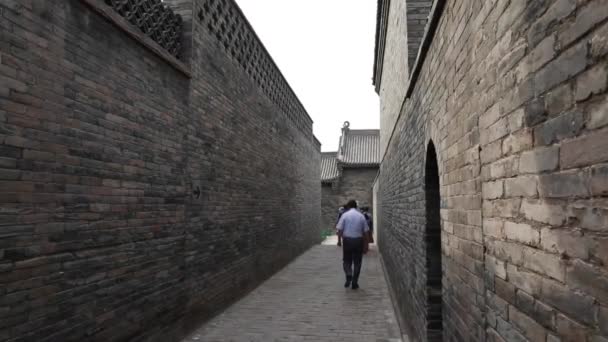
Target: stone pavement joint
306, 301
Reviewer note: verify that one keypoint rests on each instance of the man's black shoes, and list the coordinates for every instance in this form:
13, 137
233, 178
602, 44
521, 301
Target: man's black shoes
355, 286
348, 280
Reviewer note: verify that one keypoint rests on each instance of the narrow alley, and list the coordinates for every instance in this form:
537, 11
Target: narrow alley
306, 301
170, 169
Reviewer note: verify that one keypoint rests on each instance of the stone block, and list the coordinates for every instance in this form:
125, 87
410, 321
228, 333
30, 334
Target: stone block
599, 249
489, 117
8, 163
509, 332
599, 180
505, 167
585, 150
586, 18
491, 319
524, 186
539, 160
539, 56
535, 112
603, 319
517, 142
496, 267
544, 212
565, 126
515, 120
493, 228
592, 215
589, 279
498, 305
569, 330
491, 152
592, 81
559, 99
563, 185
504, 290
494, 336
532, 330
558, 9
568, 64
538, 311
544, 263
511, 252
568, 242
569, 302
502, 208
492, 190
524, 302
522, 232
599, 42
597, 115
496, 131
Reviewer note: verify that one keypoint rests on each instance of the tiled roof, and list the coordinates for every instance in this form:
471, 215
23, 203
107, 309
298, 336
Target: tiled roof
329, 166
361, 148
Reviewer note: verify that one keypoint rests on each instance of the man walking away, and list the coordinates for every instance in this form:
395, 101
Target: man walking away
353, 230
370, 223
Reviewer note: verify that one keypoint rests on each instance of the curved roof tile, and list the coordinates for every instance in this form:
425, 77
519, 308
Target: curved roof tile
361, 148
329, 166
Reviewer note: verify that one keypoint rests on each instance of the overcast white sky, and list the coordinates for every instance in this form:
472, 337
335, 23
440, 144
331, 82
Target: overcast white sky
325, 49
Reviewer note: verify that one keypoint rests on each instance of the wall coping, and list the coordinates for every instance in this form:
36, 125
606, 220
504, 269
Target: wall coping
109, 14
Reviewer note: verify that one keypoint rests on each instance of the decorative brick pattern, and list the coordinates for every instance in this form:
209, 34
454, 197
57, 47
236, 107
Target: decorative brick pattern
135, 201
154, 19
512, 94
226, 22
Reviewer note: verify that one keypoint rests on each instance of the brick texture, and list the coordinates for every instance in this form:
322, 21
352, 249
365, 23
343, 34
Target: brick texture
513, 96
102, 144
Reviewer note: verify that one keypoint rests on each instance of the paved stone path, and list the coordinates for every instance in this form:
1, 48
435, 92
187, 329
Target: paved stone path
307, 301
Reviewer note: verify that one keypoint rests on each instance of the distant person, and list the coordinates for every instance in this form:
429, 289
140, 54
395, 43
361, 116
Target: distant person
341, 211
370, 223
353, 230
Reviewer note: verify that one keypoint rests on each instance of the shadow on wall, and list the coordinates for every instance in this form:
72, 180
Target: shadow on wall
434, 321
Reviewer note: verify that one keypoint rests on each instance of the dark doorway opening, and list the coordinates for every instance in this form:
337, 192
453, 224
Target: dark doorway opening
434, 321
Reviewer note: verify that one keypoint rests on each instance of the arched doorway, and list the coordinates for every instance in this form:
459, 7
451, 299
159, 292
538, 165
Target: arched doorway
433, 246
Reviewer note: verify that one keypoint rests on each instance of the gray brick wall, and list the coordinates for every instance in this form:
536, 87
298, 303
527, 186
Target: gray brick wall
102, 143
354, 184
395, 72
513, 94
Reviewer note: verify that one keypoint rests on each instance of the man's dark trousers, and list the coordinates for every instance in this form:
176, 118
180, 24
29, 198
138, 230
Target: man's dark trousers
352, 252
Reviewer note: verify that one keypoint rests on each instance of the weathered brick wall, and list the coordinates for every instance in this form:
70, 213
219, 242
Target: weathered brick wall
102, 143
513, 95
395, 72
329, 207
353, 184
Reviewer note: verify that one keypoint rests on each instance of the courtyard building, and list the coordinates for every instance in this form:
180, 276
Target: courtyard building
349, 173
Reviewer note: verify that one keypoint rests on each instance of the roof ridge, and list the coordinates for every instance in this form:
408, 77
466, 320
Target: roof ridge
364, 131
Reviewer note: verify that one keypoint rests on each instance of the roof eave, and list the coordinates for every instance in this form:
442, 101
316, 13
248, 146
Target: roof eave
381, 27
360, 165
